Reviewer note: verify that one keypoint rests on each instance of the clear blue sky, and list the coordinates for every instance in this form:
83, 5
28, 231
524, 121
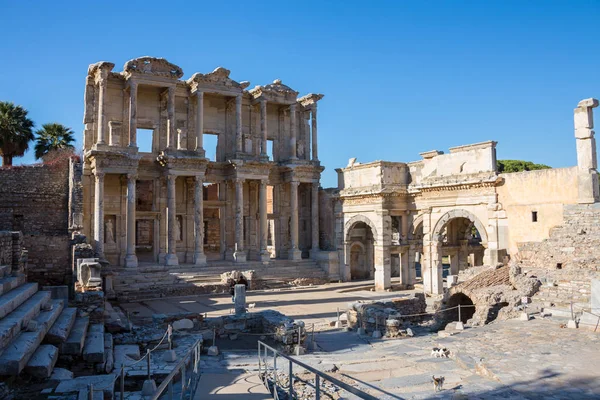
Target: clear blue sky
399, 77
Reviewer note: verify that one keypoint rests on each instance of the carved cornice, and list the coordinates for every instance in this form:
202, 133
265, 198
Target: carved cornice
310, 99
152, 66
275, 92
217, 80
102, 66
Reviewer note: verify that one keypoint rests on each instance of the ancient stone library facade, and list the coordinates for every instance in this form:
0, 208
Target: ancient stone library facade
205, 170
151, 194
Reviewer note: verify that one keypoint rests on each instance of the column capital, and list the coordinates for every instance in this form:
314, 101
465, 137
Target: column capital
99, 174
264, 181
293, 107
132, 176
199, 92
238, 180
171, 178
295, 183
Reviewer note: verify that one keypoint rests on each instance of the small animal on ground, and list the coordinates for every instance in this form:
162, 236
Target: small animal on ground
438, 383
440, 352
251, 305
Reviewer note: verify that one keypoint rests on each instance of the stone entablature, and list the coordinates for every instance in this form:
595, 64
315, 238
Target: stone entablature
156, 194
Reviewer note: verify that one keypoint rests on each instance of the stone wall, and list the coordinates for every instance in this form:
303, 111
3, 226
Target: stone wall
34, 199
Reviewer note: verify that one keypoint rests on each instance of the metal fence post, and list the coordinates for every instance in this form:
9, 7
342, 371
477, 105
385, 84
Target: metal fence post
122, 382
275, 368
318, 387
183, 382
291, 383
259, 363
459, 318
148, 360
90, 392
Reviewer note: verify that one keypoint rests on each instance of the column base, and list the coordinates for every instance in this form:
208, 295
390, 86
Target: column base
383, 280
314, 254
294, 254
265, 256
200, 259
239, 256
171, 259
131, 261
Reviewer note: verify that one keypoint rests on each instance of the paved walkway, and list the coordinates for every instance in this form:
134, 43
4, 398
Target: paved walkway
231, 385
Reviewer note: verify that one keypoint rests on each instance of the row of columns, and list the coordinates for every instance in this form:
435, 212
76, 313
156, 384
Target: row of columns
171, 130
199, 256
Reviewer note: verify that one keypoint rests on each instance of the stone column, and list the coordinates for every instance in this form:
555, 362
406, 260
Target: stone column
171, 257
294, 252
293, 129
133, 87
463, 255
383, 268
199, 121
199, 256
587, 174
263, 126
314, 223
238, 123
262, 211
405, 272
412, 259
130, 257
223, 190
454, 263
239, 255
101, 119
436, 268
171, 118
315, 155
99, 214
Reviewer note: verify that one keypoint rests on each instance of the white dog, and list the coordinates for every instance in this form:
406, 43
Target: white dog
439, 352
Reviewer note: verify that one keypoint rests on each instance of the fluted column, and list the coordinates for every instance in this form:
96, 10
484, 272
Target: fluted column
99, 214
199, 121
101, 119
238, 123
239, 254
294, 253
263, 126
171, 258
171, 117
199, 256
130, 257
314, 213
262, 211
293, 130
133, 88
315, 153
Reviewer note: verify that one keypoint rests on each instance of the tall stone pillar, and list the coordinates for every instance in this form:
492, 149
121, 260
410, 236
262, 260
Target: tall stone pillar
463, 255
99, 214
587, 164
262, 211
294, 252
133, 88
171, 257
199, 256
130, 257
314, 223
239, 255
315, 153
293, 130
171, 132
412, 258
454, 266
263, 126
383, 268
238, 124
436, 267
199, 121
101, 97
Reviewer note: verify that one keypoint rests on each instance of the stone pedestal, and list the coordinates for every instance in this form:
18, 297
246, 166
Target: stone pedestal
240, 299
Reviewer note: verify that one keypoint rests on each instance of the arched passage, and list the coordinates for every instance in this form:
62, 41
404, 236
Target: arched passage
466, 313
360, 251
461, 239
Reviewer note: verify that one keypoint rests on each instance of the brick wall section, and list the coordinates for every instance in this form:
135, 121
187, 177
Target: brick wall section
34, 199
6, 248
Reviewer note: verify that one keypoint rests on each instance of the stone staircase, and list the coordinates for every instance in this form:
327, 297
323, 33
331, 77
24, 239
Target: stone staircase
35, 329
148, 281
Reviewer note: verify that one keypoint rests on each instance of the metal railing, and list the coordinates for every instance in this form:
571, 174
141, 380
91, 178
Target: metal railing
274, 386
189, 382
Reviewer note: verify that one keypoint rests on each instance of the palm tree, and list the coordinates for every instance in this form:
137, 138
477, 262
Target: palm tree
16, 131
52, 137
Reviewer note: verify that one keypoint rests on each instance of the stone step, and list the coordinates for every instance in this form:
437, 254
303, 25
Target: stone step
41, 364
104, 383
10, 282
13, 299
74, 343
59, 332
107, 366
13, 323
5, 270
93, 350
16, 355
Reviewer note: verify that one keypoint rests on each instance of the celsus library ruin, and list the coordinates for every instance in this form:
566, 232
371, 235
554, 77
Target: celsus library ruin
192, 230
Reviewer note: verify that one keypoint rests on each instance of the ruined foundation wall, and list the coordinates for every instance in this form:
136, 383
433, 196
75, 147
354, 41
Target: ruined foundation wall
34, 199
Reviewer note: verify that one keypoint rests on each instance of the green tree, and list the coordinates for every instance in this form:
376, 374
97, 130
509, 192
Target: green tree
52, 137
16, 131
518, 166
